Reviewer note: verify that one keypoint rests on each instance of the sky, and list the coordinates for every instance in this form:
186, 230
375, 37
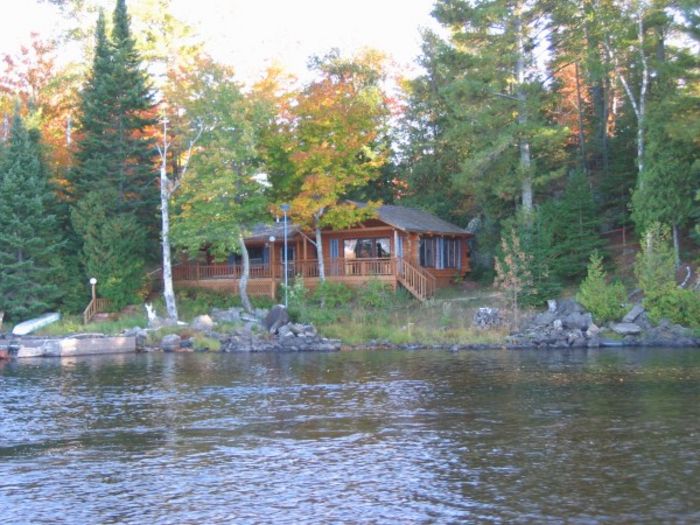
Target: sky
254, 34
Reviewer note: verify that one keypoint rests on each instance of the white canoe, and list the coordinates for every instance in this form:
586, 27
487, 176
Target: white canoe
27, 327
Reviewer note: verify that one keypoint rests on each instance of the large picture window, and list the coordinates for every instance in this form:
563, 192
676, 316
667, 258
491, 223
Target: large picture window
366, 248
439, 252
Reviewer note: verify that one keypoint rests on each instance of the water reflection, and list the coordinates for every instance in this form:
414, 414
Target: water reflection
356, 437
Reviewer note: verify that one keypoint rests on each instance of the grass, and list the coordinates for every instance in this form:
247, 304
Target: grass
400, 319
374, 314
73, 324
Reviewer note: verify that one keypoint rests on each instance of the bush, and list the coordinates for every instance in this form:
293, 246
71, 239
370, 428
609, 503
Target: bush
678, 305
656, 276
603, 300
332, 294
375, 294
203, 343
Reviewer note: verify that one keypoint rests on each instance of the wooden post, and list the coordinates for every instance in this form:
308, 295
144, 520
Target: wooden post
272, 262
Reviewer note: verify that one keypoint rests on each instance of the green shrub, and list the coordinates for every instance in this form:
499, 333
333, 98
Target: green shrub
203, 343
677, 305
375, 294
656, 276
604, 300
332, 294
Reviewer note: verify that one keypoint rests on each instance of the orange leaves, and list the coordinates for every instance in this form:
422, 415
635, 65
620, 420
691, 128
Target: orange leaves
334, 135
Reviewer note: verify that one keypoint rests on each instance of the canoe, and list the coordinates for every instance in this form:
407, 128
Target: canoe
27, 327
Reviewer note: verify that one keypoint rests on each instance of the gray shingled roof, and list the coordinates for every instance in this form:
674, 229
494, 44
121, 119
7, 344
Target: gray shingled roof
414, 220
264, 231
400, 217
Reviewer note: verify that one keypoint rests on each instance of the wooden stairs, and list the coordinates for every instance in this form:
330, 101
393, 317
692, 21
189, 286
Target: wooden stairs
418, 282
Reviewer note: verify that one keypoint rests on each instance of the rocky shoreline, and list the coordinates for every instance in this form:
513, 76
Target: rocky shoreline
564, 325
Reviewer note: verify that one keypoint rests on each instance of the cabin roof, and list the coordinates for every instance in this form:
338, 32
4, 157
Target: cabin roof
400, 217
263, 232
415, 220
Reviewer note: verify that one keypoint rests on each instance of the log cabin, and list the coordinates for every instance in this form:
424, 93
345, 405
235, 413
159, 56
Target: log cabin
402, 246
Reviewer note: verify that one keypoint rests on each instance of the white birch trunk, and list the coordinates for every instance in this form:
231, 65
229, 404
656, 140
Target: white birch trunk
245, 274
167, 187
319, 250
524, 145
639, 104
168, 290
676, 246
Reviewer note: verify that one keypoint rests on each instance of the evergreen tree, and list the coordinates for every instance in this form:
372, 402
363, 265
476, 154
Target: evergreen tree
576, 226
29, 240
107, 243
115, 158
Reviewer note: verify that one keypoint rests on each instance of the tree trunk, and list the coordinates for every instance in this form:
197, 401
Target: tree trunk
581, 133
676, 246
168, 291
319, 252
524, 144
243, 285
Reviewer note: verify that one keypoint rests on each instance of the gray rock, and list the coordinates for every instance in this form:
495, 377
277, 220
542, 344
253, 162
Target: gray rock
626, 328
551, 305
170, 343
557, 324
486, 317
202, 323
276, 317
568, 306
632, 315
544, 319
577, 320
232, 315
285, 332
593, 330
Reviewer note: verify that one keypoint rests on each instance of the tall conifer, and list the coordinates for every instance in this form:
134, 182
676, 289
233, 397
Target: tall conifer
29, 237
113, 185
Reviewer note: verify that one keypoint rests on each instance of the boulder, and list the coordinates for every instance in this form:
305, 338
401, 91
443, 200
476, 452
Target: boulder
593, 330
557, 324
232, 315
577, 320
544, 319
485, 318
202, 323
626, 328
551, 306
569, 306
140, 334
632, 315
275, 318
170, 343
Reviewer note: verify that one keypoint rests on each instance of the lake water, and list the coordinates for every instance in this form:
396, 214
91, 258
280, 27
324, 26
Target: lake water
354, 437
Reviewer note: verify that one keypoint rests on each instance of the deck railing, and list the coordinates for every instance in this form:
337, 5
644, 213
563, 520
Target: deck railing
417, 281
196, 271
420, 283
96, 306
341, 267
304, 268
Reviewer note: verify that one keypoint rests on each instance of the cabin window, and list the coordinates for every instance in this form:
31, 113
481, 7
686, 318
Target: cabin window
439, 252
366, 248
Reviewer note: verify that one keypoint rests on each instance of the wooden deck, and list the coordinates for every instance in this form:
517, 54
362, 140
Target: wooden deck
265, 278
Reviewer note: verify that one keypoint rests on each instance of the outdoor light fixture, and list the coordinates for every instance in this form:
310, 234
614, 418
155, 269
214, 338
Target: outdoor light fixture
93, 282
285, 209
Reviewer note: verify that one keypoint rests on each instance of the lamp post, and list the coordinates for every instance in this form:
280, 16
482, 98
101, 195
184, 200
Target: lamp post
285, 209
93, 282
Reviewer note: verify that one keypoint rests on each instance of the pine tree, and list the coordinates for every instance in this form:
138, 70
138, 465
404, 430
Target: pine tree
29, 240
115, 158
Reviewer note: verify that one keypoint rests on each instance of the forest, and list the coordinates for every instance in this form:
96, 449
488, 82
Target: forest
542, 126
